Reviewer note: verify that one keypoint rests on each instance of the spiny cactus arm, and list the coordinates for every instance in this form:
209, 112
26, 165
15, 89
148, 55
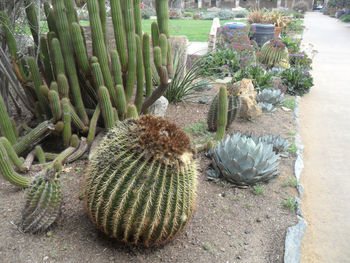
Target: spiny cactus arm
32, 16
79, 48
44, 90
46, 59
99, 47
14, 127
119, 33
50, 17
37, 82
50, 156
97, 75
78, 153
131, 112
71, 11
163, 44
74, 141
40, 155
67, 119
67, 51
139, 74
137, 15
157, 93
5, 123
54, 86
76, 121
147, 64
163, 16
169, 59
115, 116
18, 162
155, 34
57, 57
157, 57
34, 136
63, 86
106, 107
121, 102
7, 171
55, 105
131, 43
222, 114
103, 17
116, 68
93, 124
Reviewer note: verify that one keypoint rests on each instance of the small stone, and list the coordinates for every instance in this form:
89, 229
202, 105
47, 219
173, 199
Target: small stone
45, 258
268, 216
229, 233
285, 109
223, 194
49, 234
258, 220
247, 231
222, 249
239, 257
204, 100
246, 243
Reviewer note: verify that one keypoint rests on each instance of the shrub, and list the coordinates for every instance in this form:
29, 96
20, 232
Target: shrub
241, 14
188, 14
224, 14
301, 7
175, 14
345, 18
297, 80
292, 44
300, 59
261, 78
147, 12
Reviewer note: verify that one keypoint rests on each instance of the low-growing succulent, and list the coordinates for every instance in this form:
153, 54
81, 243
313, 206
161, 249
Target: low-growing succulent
267, 107
43, 202
272, 96
279, 144
242, 161
141, 182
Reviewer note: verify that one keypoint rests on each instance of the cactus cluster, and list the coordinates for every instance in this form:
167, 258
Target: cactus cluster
141, 182
274, 53
233, 108
67, 86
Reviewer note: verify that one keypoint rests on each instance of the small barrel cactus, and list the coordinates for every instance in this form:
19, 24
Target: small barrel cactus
43, 202
141, 182
274, 53
242, 161
234, 106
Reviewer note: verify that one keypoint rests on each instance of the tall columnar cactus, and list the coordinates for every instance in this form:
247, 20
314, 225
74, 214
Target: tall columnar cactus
55, 105
234, 106
67, 120
106, 107
139, 74
147, 64
163, 16
43, 202
222, 114
79, 48
32, 16
57, 57
163, 44
155, 34
5, 123
141, 182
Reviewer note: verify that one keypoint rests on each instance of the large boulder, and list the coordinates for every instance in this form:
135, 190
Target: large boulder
249, 109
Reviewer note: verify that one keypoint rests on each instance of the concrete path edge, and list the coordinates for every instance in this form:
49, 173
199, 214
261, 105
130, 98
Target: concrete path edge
295, 233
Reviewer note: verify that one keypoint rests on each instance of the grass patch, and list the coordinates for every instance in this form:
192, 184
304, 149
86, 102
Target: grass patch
292, 182
258, 189
292, 149
290, 204
199, 130
290, 103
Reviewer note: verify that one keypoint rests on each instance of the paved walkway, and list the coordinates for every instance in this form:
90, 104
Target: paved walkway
325, 131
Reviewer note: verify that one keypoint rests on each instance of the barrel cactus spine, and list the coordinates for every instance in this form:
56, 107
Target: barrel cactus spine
146, 195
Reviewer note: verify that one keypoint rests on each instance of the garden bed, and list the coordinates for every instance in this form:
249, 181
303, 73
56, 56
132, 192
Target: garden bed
229, 225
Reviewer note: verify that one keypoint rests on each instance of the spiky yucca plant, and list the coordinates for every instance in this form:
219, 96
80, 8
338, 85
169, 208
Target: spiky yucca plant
274, 53
242, 161
141, 182
234, 106
43, 202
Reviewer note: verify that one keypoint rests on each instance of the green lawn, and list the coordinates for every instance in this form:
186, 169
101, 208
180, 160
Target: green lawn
195, 30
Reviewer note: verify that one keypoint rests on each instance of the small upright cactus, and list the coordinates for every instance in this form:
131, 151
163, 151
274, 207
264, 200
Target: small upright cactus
141, 182
222, 114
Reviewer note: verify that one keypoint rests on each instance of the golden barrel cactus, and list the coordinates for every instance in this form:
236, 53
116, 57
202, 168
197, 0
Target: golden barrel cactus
141, 182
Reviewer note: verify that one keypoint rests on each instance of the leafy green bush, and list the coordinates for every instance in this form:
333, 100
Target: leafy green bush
261, 78
223, 14
297, 80
220, 63
345, 18
292, 44
188, 14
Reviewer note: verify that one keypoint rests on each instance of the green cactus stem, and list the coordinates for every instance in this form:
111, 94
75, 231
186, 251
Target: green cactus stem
34, 136
79, 48
32, 17
121, 106
7, 171
76, 121
93, 124
46, 59
144, 194
72, 15
67, 119
103, 18
55, 105
169, 59
50, 17
44, 90
57, 57
99, 47
155, 34
115, 116
137, 15
17, 161
67, 51
157, 56
131, 43
97, 75
163, 44
139, 74
14, 127
147, 64
106, 107
116, 68
43, 202
119, 33
40, 155
131, 112
59, 126
222, 114
50, 156
5, 123
63, 86
74, 141
54, 86
78, 153
163, 16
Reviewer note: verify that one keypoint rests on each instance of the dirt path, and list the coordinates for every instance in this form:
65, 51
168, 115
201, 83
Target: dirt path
325, 131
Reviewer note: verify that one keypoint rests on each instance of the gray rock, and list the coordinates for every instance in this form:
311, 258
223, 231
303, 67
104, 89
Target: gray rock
159, 107
293, 241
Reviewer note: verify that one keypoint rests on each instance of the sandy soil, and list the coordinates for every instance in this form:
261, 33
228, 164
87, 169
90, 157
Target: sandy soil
229, 225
